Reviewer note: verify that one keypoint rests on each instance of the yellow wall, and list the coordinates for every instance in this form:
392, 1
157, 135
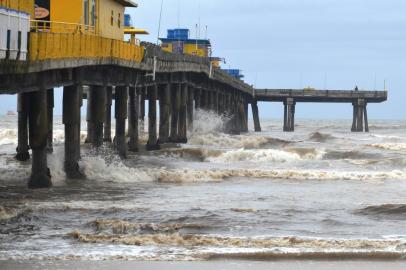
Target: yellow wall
104, 25
191, 49
21, 5
67, 11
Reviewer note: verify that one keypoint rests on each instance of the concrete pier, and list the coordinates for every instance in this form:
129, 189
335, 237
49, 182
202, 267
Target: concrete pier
107, 121
175, 96
255, 115
89, 121
164, 112
142, 108
22, 108
72, 100
121, 98
38, 130
133, 101
97, 114
198, 95
360, 116
51, 105
289, 115
182, 127
190, 107
152, 119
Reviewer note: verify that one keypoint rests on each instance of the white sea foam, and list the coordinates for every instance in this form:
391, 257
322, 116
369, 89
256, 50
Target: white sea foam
390, 146
206, 122
265, 155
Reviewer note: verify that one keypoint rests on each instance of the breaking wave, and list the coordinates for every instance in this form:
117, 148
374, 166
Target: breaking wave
390, 146
321, 137
395, 210
268, 155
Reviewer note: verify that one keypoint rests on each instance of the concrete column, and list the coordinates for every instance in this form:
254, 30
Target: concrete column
107, 121
360, 115
366, 118
90, 125
182, 127
197, 99
289, 114
51, 105
72, 96
354, 117
215, 101
285, 116
133, 119
121, 116
190, 107
205, 100
164, 112
38, 127
142, 108
97, 113
255, 115
152, 125
246, 115
176, 96
23, 109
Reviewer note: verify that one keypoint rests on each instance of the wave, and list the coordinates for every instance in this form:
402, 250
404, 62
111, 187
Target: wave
267, 155
278, 245
206, 122
321, 137
217, 175
7, 213
390, 146
396, 210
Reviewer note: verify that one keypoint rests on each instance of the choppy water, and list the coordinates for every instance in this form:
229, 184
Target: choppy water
319, 192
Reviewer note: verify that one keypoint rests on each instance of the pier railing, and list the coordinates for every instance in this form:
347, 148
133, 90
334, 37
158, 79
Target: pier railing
48, 46
61, 27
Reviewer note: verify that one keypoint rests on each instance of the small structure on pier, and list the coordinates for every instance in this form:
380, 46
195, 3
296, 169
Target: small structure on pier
178, 41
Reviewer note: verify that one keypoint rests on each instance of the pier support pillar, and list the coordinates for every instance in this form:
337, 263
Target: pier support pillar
23, 108
97, 113
152, 125
89, 109
246, 115
366, 118
182, 127
38, 130
50, 105
107, 121
176, 96
255, 115
121, 98
142, 108
164, 112
289, 115
190, 107
197, 95
133, 119
72, 100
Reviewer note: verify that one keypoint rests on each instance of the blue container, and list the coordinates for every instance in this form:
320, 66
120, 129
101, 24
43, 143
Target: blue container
178, 34
127, 20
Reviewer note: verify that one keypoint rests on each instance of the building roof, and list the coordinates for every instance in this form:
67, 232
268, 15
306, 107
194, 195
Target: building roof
127, 3
136, 31
188, 41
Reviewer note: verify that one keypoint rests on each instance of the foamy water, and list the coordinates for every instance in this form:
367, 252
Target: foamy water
317, 193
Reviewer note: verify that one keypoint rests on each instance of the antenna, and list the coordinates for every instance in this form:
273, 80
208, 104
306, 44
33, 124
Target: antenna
196, 37
206, 33
159, 24
199, 22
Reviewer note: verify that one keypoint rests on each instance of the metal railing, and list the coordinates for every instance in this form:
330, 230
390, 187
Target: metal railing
61, 27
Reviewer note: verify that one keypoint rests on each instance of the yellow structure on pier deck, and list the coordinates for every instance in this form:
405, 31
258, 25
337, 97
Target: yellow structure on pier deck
81, 29
26, 6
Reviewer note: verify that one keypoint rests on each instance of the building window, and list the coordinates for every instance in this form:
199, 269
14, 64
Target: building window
86, 12
119, 20
112, 18
93, 12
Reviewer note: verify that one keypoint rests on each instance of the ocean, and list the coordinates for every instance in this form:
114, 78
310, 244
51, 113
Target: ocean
321, 192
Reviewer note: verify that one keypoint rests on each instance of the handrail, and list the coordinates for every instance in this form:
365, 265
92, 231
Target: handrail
61, 27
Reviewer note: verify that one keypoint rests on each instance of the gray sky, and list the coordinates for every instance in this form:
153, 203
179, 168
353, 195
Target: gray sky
334, 44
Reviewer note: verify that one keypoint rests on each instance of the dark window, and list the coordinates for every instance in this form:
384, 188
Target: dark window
19, 45
112, 18
8, 44
119, 20
86, 12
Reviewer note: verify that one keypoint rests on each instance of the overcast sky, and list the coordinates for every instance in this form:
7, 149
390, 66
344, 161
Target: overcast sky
333, 44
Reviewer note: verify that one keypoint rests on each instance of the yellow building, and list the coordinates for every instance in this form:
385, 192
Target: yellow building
102, 17
26, 6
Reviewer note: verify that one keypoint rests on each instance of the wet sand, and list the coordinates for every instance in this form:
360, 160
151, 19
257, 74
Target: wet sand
218, 265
